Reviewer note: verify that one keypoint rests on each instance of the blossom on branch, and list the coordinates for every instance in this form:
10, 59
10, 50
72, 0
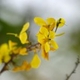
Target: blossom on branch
46, 43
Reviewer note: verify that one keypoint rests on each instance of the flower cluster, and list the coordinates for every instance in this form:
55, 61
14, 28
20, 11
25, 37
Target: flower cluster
47, 33
45, 37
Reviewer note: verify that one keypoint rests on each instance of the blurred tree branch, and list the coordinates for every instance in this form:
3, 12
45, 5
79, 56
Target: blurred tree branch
74, 69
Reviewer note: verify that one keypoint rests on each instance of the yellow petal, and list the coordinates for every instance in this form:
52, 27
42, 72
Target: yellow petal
60, 22
44, 54
39, 21
15, 69
35, 63
23, 51
6, 58
44, 31
54, 44
12, 45
51, 23
47, 47
4, 53
16, 50
52, 49
41, 38
50, 20
23, 37
1, 58
28, 67
25, 66
4, 49
25, 27
51, 35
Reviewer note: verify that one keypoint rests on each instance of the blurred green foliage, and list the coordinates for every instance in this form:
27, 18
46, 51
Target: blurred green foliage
75, 40
7, 28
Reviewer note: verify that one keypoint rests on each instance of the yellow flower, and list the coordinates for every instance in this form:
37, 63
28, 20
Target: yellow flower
49, 23
6, 50
46, 39
22, 35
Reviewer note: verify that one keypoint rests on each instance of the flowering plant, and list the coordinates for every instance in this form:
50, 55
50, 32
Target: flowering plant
45, 42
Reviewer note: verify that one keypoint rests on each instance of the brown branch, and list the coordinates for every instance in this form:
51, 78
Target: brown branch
32, 47
5, 67
73, 71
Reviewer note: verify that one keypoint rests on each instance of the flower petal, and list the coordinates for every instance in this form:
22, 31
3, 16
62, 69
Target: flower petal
25, 27
44, 31
47, 47
15, 69
23, 37
51, 23
50, 20
23, 51
4, 53
39, 21
44, 54
6, 58
4, 49
35, 63
12, 45
54, 44
25, 66
40, 38
51, 35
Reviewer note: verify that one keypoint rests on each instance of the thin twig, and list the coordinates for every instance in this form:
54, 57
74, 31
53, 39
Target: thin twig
5, 67
73, 71
32, 47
